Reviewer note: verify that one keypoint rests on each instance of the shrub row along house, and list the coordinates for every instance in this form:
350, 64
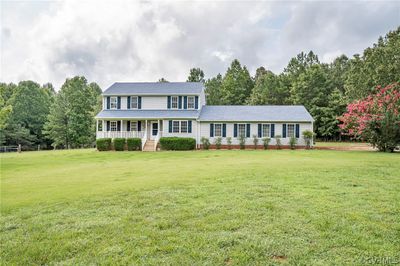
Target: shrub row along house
178, 109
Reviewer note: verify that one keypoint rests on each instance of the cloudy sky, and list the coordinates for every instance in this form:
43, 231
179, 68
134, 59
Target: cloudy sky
109, 41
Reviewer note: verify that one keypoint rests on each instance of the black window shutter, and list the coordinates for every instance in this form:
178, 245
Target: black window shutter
211, 130
118, 125
272, 130
170, 125
190, 126
185, 102
169, 102
108, 124
196, 102
223, 130
139, 125
247, 130
297, 131
108, 102
128, 103
118, 102
128, 125
180, 102
284, 131
259, 131
235, 130
139, 102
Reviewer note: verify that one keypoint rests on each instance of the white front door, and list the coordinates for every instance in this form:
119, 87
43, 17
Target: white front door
154, 130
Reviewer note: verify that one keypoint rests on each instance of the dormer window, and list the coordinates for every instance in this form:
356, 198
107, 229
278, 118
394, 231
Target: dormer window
134, 102
113, 102
190, 103
174, 102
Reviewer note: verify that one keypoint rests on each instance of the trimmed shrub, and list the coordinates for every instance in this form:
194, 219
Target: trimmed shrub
218, 142
103, 144
292, 142
255, 141
134, 144
242, 142
177, 143
119, 144
229, 142
278, 142
266, 142
205, 142
308, 136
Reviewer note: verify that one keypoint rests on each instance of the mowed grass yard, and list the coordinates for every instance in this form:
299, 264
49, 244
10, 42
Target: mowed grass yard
202, 207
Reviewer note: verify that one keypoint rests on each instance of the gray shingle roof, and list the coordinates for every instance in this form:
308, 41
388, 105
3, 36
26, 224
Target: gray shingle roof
154, 88
147, 114
273, 113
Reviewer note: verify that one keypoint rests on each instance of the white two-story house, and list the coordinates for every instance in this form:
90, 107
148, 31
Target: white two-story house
150, 110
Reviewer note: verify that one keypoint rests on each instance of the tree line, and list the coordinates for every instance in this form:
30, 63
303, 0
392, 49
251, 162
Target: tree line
32, 114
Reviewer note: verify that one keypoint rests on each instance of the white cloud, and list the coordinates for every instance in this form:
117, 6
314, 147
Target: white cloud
109, 41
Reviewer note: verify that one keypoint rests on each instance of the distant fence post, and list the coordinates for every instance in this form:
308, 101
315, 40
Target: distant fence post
19, 148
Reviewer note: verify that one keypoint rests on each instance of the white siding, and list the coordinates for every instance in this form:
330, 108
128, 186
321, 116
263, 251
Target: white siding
205, 132
166, 133
154, 102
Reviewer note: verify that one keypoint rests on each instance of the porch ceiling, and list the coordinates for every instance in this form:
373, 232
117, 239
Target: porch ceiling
147, 114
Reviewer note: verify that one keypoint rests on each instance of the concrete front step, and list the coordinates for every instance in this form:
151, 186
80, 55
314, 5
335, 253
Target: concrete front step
149, 146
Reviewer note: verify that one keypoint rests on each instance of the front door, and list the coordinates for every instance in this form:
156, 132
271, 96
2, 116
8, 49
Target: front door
154, 130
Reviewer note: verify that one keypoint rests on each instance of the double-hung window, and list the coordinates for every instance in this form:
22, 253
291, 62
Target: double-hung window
134, 102
290, 130
217, 130
190, 103
113, 125
113, 102
241, 130
175, 126
133, 125
266, 129
184, 126
174, 102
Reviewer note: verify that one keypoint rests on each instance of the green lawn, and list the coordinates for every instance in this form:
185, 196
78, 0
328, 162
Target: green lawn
203, 207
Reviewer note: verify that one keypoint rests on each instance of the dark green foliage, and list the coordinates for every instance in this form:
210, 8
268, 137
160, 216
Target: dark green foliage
308, 137
255, 141
205, 142
196, 75
177, 143
214, 90
278, 142
292, 143
242, 142
218, 142
103, 144
266, 142
229, 142
119, 144
134, 144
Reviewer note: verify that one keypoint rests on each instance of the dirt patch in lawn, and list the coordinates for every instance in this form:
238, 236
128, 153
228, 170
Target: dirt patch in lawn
361, 147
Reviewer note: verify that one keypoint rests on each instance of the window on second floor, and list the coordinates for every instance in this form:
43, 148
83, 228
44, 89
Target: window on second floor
190, 103
113, 103
290, 130
134, 102
174, 102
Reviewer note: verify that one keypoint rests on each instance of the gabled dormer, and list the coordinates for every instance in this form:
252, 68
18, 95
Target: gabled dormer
154, 96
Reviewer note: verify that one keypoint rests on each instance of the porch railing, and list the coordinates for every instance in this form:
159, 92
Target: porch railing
157, 139
119, 134
144, 139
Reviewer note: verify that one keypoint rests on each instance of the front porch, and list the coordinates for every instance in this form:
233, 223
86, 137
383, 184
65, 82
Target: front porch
149, 131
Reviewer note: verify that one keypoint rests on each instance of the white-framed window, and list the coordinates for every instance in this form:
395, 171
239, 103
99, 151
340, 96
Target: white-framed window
217, 130
175, 126
133, 125
113, 103
190, 102
113, 125
174, 102
134, 102
184, 126
266, 130
99, 125
290, 130
241, 130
